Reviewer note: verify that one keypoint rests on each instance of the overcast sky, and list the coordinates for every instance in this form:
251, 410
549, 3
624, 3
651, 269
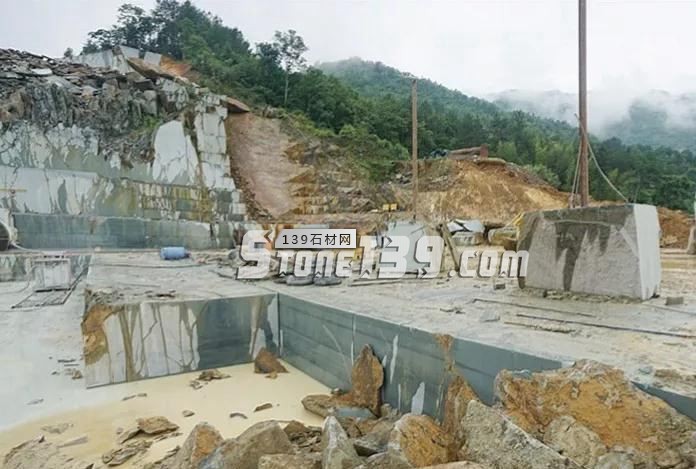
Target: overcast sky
478, 47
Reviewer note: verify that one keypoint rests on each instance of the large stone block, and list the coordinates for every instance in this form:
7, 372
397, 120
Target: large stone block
611, 250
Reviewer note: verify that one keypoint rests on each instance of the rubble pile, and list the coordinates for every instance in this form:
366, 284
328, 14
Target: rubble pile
584, 416
49, 93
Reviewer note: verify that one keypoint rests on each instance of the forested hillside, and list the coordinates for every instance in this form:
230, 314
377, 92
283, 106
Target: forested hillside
365, 106
655, 118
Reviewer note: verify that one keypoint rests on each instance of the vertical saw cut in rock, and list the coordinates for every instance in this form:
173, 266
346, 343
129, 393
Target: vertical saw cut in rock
610, 250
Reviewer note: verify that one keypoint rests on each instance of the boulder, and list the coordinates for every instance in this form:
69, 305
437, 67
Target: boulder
201, 442
40, 453
367, 378
288, 461
245, 451
319, 404
156, 425
491, 438
457, 398
420, 440
337, 450
574, 440
569, 249
601, 399
266, 362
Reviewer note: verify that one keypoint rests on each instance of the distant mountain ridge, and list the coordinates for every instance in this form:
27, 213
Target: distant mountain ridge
656, 118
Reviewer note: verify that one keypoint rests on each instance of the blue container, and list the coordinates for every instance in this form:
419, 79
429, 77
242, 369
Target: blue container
173, 253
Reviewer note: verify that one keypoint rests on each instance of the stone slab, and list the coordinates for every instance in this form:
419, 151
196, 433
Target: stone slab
610, 250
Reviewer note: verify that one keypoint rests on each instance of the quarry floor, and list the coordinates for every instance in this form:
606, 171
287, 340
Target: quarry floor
39, 347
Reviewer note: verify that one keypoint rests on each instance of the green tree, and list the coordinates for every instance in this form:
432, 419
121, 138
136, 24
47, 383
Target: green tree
290, 48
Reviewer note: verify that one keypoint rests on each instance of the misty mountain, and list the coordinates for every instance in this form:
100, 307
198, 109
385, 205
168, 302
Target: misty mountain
655, 118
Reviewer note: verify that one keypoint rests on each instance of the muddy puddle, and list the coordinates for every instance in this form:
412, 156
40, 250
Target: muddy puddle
169, 396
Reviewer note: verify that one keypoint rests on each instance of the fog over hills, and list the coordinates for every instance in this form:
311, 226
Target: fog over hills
656, 118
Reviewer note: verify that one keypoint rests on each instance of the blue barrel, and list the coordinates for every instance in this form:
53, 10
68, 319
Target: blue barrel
172, 253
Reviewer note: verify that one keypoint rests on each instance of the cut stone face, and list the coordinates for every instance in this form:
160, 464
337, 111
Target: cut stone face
611, 250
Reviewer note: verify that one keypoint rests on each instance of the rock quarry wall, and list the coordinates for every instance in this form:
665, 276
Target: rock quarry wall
88, 155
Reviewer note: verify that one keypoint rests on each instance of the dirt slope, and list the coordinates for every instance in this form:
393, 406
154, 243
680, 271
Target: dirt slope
257, 149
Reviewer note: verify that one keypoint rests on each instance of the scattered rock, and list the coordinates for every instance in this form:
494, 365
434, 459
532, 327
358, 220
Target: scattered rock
372, 443
39, 453
265, 406
209, 375
156, 425
200, 443
302, 436
118, 456
133, 396
238, 414
646, 370
272, 375
491, 438
76, 374
337, 450
600, 398
420, 440
188, 413
367, 378
195, 384
457, 398
574, 440
126, 435
614, 461
319, 404
35, 401
266, 362
245, 451
294, 461
57, 429
78, 440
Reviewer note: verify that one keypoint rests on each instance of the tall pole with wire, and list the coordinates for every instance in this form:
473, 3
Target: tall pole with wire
414, 145
583, 165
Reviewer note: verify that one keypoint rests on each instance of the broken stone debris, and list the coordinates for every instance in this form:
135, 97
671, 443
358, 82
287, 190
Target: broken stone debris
265, 406
491, 438
39, 453
267, 362
574, 440
337, 450
602, 400
210, 375
200, 443
150, 426
245, 451
290, 461
118, 456
421, 440
459, 394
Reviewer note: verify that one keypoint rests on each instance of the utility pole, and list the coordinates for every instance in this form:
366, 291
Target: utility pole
414, 145
582, 46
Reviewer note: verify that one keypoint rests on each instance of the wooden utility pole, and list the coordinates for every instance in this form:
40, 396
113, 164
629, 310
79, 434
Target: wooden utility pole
582, 49
414, 145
